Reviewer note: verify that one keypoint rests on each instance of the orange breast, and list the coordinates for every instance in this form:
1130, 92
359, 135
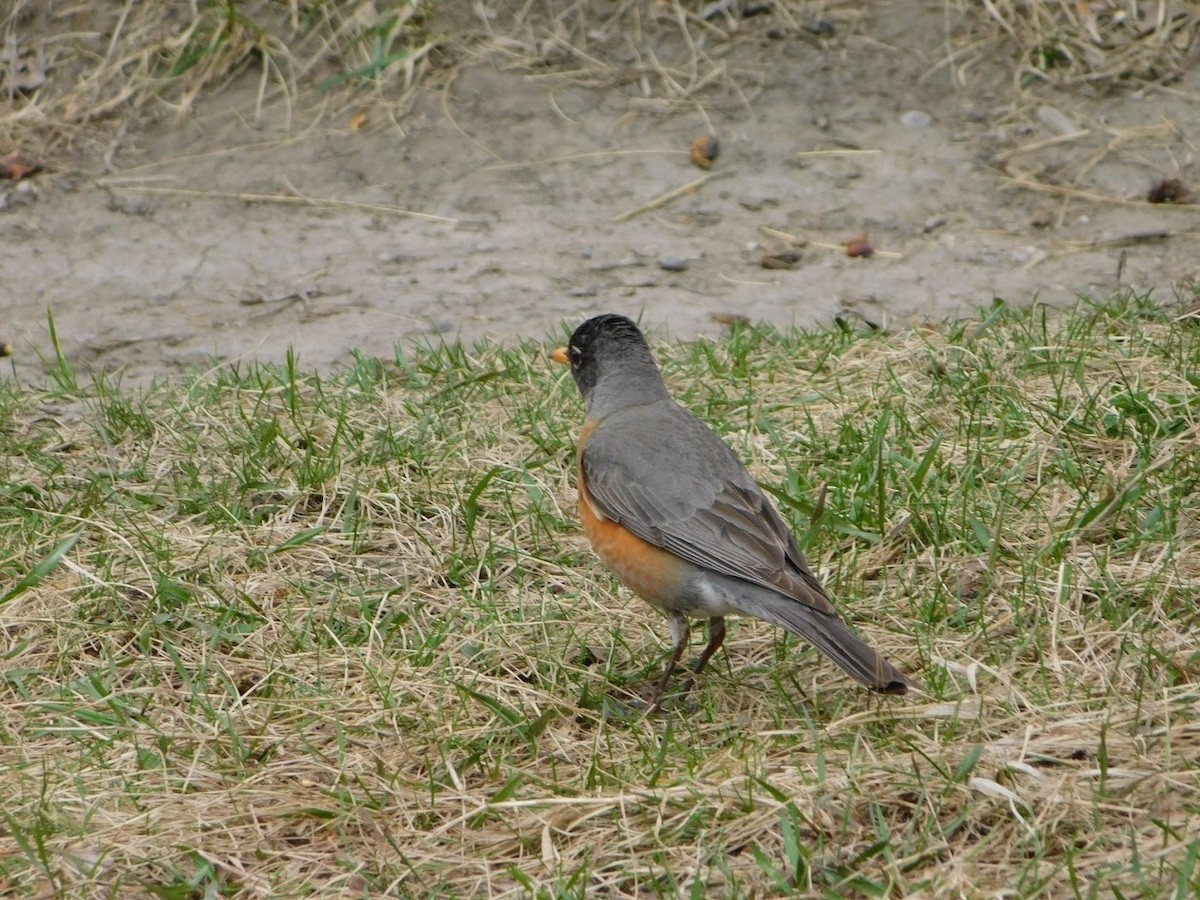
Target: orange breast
650, 572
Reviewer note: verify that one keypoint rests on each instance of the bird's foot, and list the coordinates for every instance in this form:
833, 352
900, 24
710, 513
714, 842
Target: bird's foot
663, 702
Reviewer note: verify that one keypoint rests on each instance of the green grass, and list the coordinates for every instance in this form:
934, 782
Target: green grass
269, 633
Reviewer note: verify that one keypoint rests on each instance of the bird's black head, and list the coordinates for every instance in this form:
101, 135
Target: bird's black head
610, 347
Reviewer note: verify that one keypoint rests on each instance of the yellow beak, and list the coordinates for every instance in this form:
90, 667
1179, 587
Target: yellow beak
560, 356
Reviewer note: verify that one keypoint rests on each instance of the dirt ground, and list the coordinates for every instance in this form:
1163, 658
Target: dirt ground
193, 240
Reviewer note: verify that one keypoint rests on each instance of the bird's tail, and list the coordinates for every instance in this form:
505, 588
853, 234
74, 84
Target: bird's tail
832, 637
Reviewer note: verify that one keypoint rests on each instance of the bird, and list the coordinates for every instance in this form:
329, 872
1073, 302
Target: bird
672, 511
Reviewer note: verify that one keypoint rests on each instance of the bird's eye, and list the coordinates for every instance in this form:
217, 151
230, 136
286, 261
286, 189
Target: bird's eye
575, 354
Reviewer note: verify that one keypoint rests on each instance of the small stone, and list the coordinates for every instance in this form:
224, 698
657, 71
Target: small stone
786, 259
21, 195
673, 264
934, 222
712, 10
916, 118
129, 204
1056, 121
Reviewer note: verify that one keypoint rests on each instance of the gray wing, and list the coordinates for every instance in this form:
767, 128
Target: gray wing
668, 478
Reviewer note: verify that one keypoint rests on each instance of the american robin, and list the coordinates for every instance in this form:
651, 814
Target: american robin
672, 511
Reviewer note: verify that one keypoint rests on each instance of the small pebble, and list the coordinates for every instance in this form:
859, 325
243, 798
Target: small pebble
673, 264
130, 204
916, 118
712, 10
1056, 121
24, 193
933, 223
787, 259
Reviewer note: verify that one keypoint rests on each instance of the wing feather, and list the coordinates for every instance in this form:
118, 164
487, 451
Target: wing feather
669, 479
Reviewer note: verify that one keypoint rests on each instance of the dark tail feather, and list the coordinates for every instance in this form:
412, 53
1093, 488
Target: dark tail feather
831, 636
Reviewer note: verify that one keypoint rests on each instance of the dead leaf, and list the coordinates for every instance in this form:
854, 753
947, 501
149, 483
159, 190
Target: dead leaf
15, 167
971, 578
730, 319
360, 120
1169, 190
705, 149
786, 259
860, 246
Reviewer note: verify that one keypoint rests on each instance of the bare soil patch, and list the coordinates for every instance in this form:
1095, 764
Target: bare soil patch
240, 229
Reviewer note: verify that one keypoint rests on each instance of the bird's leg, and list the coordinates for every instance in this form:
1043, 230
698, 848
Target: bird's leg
716, 635
679, 630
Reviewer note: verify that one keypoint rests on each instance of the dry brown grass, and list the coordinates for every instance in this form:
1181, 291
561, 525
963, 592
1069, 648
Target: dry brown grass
63, 69
341, 636
1076, 41
68, 67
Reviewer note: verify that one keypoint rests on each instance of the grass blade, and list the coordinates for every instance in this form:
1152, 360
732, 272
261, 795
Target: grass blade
39, 572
